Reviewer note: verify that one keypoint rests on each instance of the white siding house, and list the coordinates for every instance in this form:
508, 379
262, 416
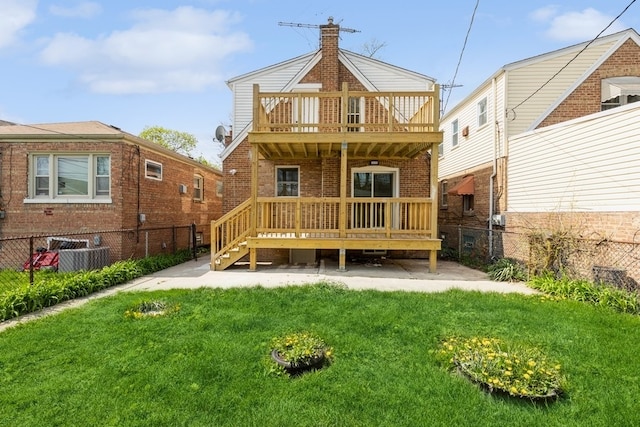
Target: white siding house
546, 146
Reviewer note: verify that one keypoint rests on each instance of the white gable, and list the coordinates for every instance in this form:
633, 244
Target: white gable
283, 77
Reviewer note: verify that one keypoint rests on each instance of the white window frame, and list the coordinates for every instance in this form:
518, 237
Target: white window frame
219, 188
455, 133
277, 182
150, 174
444, 196
395, 191
52, 175
621, 88
354, 116
441, 150
482, 112
198, 188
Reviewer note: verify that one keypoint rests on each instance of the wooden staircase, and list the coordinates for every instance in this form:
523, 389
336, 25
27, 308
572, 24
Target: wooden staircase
229, 237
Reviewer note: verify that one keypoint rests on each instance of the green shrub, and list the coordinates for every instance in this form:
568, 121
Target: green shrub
54, 288
588, 292
507, 270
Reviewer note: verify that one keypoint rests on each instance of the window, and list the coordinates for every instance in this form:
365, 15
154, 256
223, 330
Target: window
66, 176
354, 113
619, 91
467, 204
219, 188
443, 194
198, 183
441, 149
287, 181
482, 112
153, 170
454, 133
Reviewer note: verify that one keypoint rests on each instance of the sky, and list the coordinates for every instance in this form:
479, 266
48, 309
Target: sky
139, 63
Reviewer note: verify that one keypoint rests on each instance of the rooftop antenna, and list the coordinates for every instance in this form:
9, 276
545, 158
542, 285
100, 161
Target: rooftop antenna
329, 22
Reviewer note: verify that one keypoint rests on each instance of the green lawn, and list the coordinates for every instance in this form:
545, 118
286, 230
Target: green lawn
207, 364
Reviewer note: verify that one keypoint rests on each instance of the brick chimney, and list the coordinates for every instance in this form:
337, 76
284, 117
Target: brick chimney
329, 36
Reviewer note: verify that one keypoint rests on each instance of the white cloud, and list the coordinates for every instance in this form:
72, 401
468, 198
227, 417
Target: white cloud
82, 10
580, 26
164, 51
15, 16
544, 14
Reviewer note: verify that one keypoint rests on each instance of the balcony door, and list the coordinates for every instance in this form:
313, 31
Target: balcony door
373, 183
306, 108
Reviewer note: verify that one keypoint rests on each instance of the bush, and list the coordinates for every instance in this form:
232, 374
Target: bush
588, 292
53, 289
507, 270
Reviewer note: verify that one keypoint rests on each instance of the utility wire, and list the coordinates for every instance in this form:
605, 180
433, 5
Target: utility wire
574, 58
455, 74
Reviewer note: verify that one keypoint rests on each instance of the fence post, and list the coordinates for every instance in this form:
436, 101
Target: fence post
174, 239
30, 260
193, 240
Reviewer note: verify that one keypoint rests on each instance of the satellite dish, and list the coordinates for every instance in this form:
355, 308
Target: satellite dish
220, 131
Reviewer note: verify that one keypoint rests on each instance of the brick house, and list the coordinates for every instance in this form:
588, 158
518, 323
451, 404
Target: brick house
330, 154
87, 176
538, 145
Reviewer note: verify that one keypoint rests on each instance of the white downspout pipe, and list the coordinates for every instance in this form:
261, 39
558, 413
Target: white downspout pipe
494, 171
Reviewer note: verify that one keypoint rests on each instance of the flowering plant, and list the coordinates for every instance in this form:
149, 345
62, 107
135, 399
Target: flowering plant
150, 309
301, 348
516, 370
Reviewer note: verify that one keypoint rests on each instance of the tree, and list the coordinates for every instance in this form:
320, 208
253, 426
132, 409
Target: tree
372, 47
180, 142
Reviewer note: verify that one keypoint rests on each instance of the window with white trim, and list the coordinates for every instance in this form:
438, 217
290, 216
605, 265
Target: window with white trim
354, 113
443, 195
219, 188
454, 133
287, 181
153, 170
441, 149
70, 176
198, 183
619, 91
482, 112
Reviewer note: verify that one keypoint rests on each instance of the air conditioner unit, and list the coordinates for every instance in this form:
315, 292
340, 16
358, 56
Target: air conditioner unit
498, 220
83, 259
182, 189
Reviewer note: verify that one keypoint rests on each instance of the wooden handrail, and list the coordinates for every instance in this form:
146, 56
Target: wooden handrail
231, 229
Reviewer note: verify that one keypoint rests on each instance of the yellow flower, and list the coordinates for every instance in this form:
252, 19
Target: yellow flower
531, 363
527, 376
513, 390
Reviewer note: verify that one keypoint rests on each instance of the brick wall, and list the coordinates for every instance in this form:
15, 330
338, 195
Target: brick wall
131, 193
616, 226
453, 214
586, 99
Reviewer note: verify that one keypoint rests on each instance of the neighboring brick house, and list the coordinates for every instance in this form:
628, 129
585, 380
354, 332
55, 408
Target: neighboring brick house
87, 176
497, 171
330, 153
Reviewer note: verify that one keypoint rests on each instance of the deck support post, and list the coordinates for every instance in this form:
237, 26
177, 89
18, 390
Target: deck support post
342, 260
253, 259
343, 204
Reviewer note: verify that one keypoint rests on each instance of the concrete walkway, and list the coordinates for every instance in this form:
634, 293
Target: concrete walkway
380, 274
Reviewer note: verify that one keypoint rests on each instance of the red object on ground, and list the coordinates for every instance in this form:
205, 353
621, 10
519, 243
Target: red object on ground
42, 259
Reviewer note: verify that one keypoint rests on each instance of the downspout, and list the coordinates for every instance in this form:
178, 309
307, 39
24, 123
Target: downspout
494, 170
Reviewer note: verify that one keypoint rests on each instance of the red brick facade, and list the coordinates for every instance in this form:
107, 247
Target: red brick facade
318, 177
161, 201
586, 99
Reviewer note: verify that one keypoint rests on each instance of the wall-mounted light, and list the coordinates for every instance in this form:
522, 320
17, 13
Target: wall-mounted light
233, 171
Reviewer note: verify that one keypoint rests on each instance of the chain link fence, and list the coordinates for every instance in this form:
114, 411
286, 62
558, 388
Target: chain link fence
612, 262
23, 259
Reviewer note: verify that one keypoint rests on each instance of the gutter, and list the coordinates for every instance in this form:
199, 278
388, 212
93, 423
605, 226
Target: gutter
494, 164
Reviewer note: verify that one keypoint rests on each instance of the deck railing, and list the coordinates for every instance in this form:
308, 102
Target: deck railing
346, 111
320, 217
